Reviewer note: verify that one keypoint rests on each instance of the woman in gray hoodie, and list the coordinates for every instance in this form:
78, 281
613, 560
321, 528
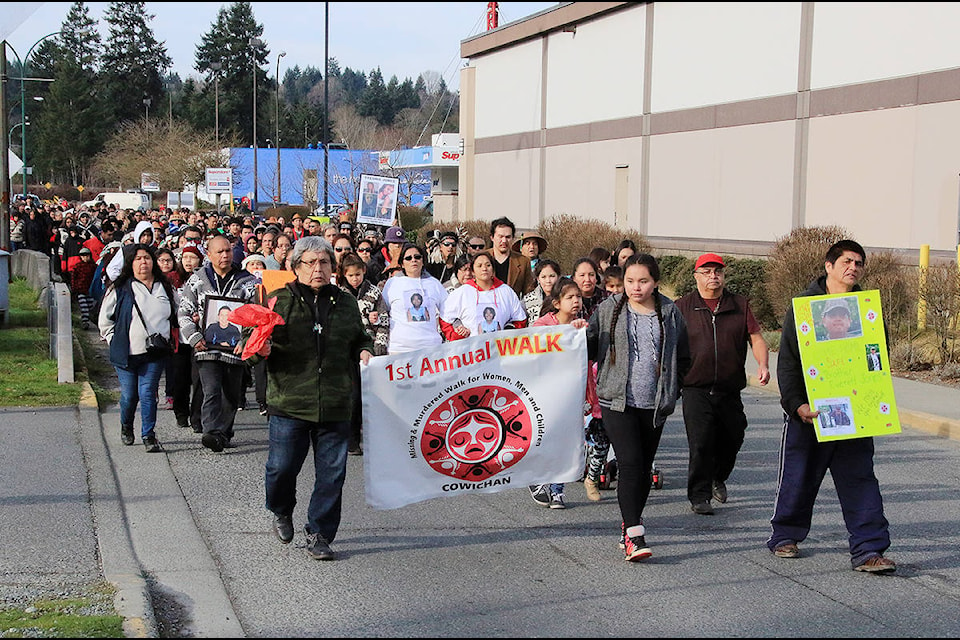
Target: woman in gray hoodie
639, 340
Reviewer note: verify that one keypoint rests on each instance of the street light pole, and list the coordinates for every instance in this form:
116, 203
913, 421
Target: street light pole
254, 42
215, 67
23, 102
326, 104
279, 198
4, 158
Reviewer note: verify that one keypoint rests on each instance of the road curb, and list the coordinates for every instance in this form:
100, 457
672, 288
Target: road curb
927, 422
119, 562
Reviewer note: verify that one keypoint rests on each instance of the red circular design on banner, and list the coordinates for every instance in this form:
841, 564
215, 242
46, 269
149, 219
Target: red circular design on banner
476, 433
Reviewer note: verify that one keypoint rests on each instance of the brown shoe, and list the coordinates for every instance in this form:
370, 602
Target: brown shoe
787, 550
593, 491
877, 564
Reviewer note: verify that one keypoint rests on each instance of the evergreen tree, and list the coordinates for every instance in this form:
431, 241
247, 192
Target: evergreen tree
228, 43
373, 103
353, 84
133, 61
70, 127
79, 39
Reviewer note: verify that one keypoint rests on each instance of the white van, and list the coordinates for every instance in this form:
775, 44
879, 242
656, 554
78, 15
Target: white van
137, 201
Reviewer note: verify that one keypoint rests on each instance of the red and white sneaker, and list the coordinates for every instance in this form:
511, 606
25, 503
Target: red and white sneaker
636, 549
635, 546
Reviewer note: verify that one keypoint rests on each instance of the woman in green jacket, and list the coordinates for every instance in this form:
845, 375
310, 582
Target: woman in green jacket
310, 379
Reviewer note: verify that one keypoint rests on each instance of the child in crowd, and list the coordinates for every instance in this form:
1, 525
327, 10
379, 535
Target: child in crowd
562, 306
639, 340
80, 279
613, 279
351, 276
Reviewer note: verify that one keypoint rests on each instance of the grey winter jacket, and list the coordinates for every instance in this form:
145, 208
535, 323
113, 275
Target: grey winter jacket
202, 283
612, 377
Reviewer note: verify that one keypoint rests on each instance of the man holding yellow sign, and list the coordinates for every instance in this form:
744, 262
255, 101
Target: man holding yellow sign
808, 450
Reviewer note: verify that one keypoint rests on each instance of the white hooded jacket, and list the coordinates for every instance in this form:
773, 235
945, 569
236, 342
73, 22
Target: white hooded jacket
116, 264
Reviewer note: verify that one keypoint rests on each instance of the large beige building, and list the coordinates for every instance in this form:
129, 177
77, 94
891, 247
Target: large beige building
720, 125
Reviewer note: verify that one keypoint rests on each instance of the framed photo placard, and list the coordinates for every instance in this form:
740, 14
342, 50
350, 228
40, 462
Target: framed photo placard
219, 333
377, 200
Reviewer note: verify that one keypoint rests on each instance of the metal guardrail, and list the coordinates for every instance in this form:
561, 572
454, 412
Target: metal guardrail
60, 324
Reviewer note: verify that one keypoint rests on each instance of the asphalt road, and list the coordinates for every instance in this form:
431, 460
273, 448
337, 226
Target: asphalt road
499, 565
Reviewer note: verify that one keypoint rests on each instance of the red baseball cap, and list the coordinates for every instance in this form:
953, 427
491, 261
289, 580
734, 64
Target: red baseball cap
708, 258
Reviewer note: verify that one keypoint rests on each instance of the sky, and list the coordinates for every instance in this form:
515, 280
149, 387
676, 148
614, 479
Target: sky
403, 39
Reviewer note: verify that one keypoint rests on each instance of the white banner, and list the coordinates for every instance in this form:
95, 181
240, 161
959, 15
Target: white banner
479, 415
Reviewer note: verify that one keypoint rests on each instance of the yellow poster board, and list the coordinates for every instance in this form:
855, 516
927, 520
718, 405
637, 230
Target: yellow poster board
843, 350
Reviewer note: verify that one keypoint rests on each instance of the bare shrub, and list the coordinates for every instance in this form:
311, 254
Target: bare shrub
897, 283
569, 238
941, 295
796, 260
950, 371
910, 356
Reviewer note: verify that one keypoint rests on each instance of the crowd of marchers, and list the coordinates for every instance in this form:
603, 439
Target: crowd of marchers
161, 286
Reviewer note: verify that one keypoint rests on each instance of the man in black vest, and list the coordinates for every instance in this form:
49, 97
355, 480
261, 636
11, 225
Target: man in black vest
720, 325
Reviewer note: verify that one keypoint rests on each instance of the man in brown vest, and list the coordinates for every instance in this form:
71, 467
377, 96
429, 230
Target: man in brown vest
720, 325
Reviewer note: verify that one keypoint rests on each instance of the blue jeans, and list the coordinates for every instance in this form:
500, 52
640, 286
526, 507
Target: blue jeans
290, 440
139, 383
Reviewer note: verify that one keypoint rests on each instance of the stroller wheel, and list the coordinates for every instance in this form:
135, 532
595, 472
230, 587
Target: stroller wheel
657, 478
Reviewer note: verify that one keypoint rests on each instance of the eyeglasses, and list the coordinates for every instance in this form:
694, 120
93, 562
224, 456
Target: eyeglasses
364, 250
416, 257
477, 246
314, 264
709, 272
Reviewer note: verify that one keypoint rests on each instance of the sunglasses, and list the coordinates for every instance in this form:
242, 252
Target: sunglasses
416, 257
364, 250
476, 246
340, 249
448, 244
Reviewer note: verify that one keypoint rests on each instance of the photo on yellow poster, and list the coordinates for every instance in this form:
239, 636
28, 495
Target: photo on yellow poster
843, 349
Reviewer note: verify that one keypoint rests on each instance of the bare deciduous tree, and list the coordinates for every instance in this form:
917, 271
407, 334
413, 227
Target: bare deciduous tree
175, 154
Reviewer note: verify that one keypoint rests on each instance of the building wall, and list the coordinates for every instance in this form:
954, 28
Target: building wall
709, 52
596, 73
730, 123
860, 42
732, 183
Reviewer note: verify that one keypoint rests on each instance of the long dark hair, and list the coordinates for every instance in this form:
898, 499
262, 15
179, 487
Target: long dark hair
178, 275
551, 303
626, 243
126, 273
648, 261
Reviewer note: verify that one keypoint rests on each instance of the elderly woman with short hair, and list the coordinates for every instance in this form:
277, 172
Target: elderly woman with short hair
310, 381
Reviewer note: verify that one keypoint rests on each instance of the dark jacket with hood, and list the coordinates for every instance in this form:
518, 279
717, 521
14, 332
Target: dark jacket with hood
793, 391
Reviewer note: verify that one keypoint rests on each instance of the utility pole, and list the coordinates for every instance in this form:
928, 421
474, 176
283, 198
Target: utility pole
326, 103
4, 153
